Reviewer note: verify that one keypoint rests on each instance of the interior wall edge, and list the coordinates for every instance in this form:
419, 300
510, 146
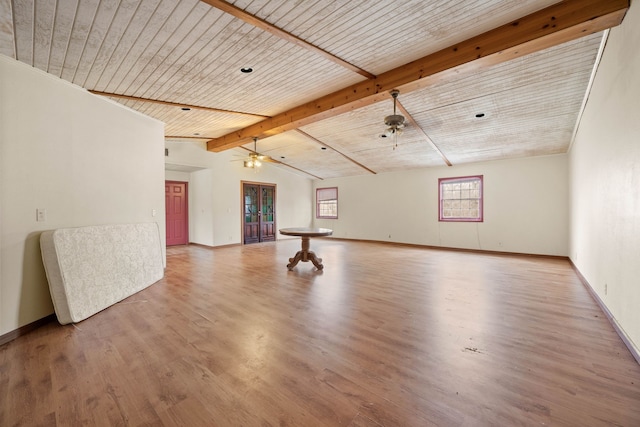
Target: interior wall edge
633, 349
25, 329
450, 248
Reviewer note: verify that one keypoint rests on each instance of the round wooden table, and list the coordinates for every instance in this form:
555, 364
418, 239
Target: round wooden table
305, 254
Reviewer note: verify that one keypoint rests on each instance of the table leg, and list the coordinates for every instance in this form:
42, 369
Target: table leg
315, 260
305, 255
294, 261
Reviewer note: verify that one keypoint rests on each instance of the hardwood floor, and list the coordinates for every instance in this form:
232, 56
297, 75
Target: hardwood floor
385, 335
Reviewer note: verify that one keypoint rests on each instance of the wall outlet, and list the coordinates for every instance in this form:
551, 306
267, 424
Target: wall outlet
41, 215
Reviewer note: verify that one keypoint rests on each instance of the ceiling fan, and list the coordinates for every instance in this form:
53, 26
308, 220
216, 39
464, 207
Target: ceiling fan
255, 159
394, 122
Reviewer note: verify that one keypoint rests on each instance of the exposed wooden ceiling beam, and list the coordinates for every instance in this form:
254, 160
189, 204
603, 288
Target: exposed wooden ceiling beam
337, 151
300, 170
421, 131
559, 23
175, 104
272, 160
278, 32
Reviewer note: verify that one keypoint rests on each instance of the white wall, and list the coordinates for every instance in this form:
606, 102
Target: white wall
605, 180
215, 216
525, 207
84, 159
170, 175
201, 214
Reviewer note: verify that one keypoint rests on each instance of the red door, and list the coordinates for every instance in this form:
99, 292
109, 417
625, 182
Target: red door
175, 195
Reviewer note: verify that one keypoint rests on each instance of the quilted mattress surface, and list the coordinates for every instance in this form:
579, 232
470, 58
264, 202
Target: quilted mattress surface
91, 268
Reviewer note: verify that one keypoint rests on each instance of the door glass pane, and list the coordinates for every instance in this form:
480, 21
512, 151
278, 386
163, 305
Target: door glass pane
251, 204
267, 204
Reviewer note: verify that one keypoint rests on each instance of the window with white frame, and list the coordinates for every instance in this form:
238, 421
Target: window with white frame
327, 202
461, 199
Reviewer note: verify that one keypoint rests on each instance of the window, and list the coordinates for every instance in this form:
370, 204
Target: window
327, 202
461, 198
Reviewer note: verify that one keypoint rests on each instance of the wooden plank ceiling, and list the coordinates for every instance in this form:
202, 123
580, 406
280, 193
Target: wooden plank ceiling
180, 61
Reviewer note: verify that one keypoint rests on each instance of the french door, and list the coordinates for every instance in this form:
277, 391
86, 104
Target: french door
259, 212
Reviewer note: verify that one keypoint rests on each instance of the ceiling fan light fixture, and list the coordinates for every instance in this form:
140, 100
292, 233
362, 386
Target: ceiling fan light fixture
394, 122
392, 131
255, 159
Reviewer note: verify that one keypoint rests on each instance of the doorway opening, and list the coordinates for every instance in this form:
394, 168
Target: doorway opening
177, 213
259, 212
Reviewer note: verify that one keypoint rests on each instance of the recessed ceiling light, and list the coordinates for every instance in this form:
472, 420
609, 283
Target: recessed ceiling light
323, 148
246, 70
480, 115
383, 135
186, 109
196, 134
282, 157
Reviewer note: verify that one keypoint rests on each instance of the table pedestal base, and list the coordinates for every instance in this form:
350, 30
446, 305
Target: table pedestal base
305, 255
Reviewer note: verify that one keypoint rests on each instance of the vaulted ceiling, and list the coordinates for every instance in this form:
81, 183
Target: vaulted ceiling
479, 80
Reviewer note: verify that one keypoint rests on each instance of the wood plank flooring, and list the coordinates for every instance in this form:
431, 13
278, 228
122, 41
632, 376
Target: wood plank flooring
385, 335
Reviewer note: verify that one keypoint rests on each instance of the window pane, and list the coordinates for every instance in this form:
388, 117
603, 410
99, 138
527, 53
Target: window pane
327, 202
327, 193
461, 198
